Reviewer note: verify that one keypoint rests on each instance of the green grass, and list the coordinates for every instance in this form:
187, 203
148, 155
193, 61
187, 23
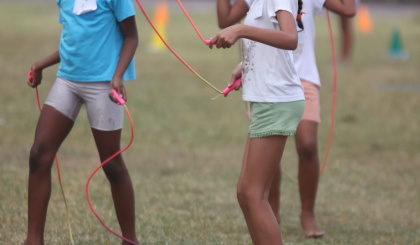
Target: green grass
187, 152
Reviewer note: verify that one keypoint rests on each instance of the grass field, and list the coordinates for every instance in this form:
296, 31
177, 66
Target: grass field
186, 155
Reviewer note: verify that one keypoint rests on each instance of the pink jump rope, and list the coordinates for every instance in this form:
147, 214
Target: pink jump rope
228, 89
225, 92
122, 102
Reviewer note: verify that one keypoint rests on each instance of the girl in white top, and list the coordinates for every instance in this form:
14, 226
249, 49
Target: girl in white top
306, 135
271, 84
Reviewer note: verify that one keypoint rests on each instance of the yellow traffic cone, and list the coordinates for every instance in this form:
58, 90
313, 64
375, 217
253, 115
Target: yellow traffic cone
160, 20
364, 22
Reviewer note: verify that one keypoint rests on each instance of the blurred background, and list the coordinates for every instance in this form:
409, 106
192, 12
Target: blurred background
188, 146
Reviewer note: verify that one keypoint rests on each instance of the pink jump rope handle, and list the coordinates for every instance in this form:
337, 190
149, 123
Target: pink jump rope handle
118, 97
232, 87
30, 74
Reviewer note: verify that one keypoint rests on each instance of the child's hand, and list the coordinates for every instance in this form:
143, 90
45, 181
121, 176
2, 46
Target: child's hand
226, 37
119, 87
34, 78
235, 82
237, 73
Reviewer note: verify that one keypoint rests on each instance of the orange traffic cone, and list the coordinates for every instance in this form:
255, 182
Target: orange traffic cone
364, 22
160, 19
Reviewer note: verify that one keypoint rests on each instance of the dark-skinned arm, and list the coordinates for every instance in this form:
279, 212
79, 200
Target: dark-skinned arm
129, 31
37, 68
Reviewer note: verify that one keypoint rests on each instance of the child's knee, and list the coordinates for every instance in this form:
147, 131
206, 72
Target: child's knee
40, 159
246, 196
115, 171
308, 149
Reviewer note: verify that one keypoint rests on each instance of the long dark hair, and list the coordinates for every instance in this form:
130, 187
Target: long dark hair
299, 16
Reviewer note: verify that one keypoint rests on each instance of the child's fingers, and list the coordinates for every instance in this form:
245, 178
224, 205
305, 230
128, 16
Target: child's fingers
114, 97
232, 80
113, 93
33, 80
237, 73
29, 81
213, 41
124, 94
238, 86
118, 94
111, 97
219, 43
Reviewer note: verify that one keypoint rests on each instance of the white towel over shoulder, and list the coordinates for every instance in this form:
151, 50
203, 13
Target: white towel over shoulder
84, 6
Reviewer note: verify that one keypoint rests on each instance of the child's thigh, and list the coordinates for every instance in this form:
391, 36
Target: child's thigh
64, 98
103, 113
263, 160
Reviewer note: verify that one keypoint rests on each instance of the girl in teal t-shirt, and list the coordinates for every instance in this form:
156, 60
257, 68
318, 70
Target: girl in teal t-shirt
96, 53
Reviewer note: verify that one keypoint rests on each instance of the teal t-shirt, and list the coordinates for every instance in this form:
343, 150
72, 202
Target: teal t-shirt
91, 43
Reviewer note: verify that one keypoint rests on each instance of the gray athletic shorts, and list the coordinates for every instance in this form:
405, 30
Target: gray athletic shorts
67, 97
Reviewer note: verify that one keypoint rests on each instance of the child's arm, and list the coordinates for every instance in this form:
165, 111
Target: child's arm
228, 14
36, 69
342, 7
286, 38
129, 31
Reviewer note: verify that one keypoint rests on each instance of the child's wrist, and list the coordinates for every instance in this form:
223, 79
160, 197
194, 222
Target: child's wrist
35, 67
38, 65
241, 29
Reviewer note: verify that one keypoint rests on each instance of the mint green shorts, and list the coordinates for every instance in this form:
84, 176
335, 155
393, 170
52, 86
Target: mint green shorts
280, 118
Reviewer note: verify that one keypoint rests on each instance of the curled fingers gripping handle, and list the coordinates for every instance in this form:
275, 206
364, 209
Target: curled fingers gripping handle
235, 85
120, 100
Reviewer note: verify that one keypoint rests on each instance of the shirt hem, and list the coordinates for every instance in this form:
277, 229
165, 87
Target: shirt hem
272, 100
91, 79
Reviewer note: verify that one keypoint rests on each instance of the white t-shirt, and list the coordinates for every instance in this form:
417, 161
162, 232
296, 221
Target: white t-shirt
269, 74
249, 2
304, 55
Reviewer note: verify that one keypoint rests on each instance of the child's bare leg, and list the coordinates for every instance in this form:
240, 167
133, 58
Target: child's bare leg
108, 143
274, 196
51, 130
261, 162
306, 145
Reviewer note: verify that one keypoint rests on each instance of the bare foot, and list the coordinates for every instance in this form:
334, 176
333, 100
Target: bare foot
129, 243
310, 227
32, 242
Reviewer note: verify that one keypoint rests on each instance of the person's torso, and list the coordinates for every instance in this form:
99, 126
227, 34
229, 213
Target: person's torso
91, 42
269, 74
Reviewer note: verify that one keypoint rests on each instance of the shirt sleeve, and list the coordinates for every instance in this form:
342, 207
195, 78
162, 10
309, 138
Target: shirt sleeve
276, 5
123, 9
318, 6
249, 2
60, 18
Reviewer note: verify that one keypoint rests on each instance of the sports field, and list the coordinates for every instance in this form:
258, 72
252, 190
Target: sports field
187, 151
